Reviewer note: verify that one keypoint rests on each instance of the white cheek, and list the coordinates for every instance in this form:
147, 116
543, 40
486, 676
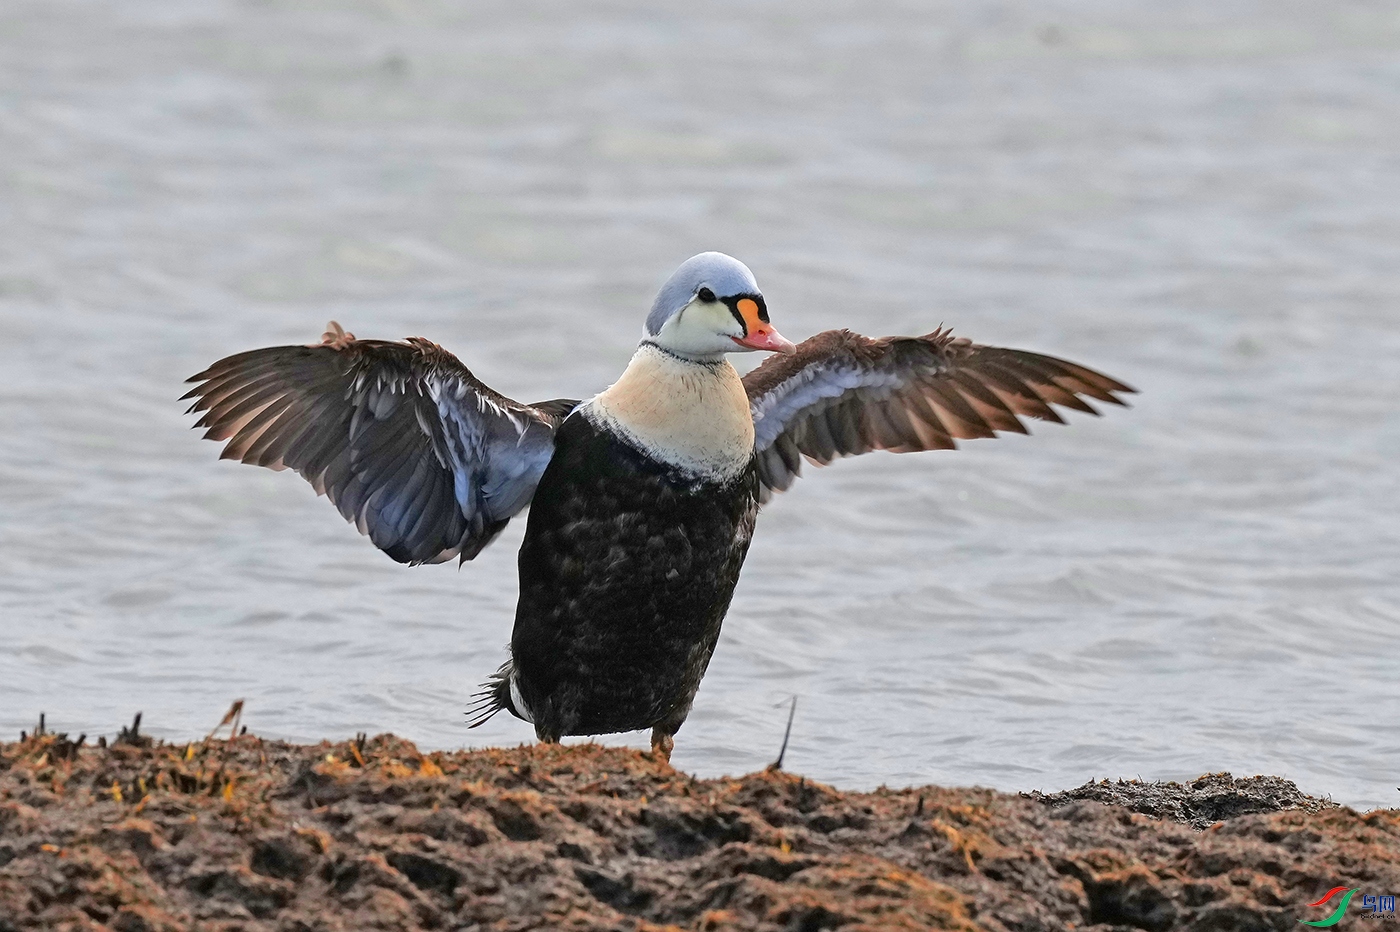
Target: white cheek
724, 321
702, 327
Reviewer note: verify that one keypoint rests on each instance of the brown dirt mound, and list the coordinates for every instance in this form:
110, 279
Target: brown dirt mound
260, 835
1201, 803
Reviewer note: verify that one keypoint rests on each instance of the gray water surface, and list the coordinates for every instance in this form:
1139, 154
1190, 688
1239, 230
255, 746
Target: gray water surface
1202, 199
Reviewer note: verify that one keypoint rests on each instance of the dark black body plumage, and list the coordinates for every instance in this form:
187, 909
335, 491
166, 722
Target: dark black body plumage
626, 573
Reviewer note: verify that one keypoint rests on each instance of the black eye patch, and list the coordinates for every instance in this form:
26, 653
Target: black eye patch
706, 295
740, 318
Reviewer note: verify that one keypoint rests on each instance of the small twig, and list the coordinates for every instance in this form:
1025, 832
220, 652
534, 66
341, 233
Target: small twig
132, 735
357, 748
231, 718
787, 733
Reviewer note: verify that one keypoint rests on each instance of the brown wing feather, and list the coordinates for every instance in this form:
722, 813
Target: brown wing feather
843, 394
409, 445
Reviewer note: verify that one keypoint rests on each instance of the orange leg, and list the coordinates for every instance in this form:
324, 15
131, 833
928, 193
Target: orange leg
661, 745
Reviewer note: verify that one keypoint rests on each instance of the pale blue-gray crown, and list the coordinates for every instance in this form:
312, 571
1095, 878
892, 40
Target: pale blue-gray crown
724, 275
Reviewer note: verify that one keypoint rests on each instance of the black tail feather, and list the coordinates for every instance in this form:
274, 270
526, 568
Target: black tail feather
494, 696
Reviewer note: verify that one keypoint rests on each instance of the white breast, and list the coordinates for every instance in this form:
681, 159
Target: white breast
689, 415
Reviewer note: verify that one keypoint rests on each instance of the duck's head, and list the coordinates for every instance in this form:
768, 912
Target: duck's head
710, 306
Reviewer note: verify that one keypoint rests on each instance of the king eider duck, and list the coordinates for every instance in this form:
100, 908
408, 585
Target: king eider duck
642, 499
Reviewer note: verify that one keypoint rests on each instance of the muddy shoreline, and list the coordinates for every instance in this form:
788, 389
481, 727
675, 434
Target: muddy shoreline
249, 834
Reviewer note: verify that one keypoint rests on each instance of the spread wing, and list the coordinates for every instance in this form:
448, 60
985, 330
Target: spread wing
841, 394
400, 436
